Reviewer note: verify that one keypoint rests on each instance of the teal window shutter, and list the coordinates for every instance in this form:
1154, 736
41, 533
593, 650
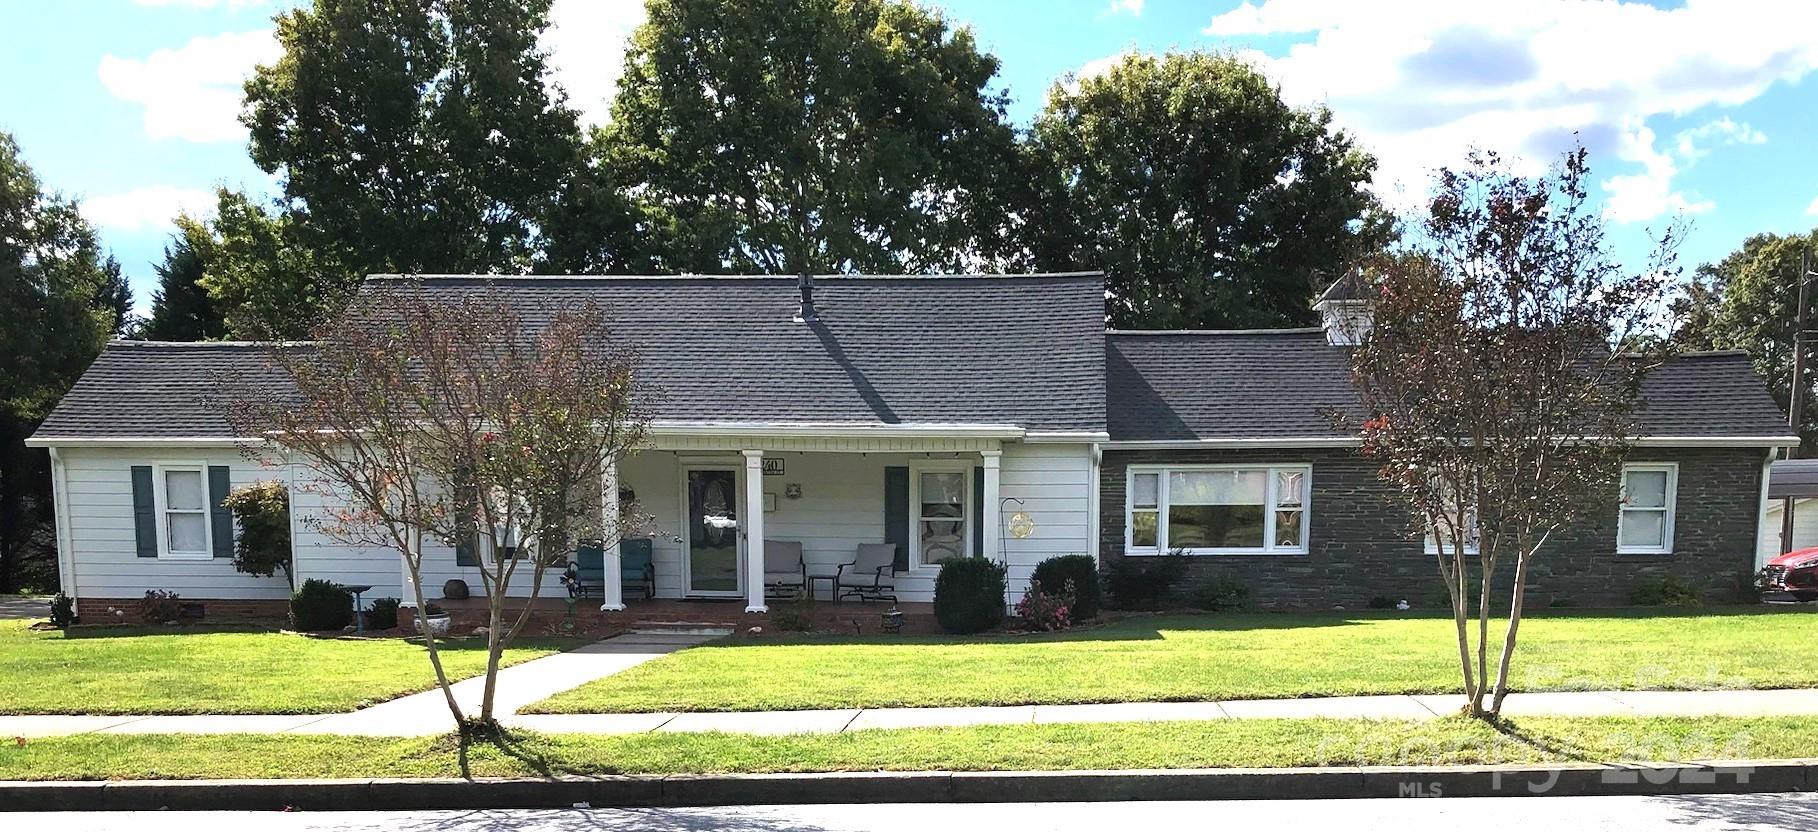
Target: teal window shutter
896, 513
978, 512
220, 481
145, 521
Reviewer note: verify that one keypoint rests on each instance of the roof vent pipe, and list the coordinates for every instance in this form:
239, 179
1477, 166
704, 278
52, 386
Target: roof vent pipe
806, 282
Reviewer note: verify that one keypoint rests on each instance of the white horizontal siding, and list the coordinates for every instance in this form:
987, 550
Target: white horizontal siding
99, 524
1055, 484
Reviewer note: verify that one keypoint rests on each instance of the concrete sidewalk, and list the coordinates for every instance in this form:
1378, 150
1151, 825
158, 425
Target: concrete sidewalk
1576, 703
425, 713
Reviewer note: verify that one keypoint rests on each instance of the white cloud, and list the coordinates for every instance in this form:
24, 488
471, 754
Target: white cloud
147, 208
1695, 143
1812, 209
1420, 81
192, 92
1133, 8
586, 42
1093, 69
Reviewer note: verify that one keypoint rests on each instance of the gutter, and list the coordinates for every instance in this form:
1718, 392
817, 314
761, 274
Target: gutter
66, 553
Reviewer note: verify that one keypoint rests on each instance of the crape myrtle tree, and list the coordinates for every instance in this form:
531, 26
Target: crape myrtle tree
1499, 405
466, 419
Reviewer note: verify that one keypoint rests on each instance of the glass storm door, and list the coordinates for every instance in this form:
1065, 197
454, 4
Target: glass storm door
711, 531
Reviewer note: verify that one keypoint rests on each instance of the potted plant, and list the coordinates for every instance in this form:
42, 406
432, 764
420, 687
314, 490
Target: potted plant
434, 621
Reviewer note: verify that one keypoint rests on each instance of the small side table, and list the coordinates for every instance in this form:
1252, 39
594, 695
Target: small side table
832, 587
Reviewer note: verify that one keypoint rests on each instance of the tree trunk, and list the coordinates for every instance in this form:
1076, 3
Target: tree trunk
413, 560
495, 613
1455, 583
1508, 638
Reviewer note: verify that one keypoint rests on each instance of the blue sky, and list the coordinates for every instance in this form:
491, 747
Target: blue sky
1701, 109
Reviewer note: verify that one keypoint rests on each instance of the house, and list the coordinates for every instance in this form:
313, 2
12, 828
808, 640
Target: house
1792, 481
924, 412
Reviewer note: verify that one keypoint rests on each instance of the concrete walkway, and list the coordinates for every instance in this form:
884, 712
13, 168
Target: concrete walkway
419, 714
1585, 703
426, 714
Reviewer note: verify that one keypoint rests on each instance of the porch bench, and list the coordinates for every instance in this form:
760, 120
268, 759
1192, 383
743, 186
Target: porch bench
637, 569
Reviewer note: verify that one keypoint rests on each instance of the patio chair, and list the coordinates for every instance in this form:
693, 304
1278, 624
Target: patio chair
867, 576
637, 569
785, 574
590, 570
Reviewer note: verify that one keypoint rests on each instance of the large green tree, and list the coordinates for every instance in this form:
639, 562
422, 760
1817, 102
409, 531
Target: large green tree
181, 309
407, 137
1749, 301
61, 299
1208, 201
822, 135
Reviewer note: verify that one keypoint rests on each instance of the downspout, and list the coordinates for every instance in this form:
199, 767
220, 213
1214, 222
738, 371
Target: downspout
1095, 455
1762, 552
66, 552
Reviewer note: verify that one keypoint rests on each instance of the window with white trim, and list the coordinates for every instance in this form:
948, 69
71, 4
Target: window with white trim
1460, 517
182, 511
1645, 517
940, 505
1217, 509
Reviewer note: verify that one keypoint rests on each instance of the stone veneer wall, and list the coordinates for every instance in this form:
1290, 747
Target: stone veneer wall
1363, 544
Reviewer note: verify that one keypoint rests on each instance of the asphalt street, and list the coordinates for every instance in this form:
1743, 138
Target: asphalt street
1731, 813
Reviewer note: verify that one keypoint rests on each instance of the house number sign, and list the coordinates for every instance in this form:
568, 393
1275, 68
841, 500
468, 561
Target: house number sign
773, 467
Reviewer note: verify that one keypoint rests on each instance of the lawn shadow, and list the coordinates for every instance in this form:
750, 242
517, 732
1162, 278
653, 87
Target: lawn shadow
1554, 746
1142, 626
139, 630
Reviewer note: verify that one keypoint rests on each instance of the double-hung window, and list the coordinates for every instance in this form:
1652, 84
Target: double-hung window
1217, 509
1458, 516
182, 506
941, 504
1645, 518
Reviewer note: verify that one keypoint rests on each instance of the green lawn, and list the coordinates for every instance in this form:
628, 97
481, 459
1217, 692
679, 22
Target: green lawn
1177, 658
165, 671
1211, 744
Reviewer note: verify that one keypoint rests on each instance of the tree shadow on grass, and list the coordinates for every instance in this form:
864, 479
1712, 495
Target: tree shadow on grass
1553, 747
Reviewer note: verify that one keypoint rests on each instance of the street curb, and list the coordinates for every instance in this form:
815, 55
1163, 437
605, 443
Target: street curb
916, 787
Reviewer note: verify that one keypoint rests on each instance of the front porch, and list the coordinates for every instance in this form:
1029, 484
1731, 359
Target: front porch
849, 618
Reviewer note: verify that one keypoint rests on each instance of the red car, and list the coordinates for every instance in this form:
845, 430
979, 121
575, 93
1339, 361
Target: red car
1790, 577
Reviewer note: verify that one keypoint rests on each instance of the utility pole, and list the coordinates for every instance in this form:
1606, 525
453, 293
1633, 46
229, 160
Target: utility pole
1795, 409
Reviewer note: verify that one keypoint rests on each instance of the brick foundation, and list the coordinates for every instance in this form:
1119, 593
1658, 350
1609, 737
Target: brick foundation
102, 610
1364, 544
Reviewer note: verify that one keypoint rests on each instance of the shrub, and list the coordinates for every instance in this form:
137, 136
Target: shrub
262, 510
62, 611
1665, 591
969, 595
1144, 583
792, 615
383, 614
1043, 610
159, 607
1079, 569
1381, 602
1222, 595
320, 605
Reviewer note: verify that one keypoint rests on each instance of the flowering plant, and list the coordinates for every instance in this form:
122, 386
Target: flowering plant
1046, 611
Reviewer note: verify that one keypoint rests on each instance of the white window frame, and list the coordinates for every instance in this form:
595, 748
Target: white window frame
161, 511
1670, 510
1429, 538
1271, 504
939, 466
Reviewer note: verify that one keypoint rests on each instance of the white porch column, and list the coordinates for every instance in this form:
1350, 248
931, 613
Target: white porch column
612, 584
994, 525
754, 532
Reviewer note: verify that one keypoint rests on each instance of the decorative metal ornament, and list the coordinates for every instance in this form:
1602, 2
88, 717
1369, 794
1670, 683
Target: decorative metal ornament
1021, 525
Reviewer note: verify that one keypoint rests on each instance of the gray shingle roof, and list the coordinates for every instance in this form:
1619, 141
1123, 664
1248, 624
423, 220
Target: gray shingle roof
153, 389
1025, 351
1281, 384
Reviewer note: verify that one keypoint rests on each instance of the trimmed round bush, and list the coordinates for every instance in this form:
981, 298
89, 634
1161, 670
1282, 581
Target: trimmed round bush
1054, 573
383, 614
320, 605
969, 595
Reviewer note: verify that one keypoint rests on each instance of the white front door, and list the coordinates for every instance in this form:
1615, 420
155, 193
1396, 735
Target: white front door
712, 532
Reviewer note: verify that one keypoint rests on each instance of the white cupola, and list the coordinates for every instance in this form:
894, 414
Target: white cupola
1345, 311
